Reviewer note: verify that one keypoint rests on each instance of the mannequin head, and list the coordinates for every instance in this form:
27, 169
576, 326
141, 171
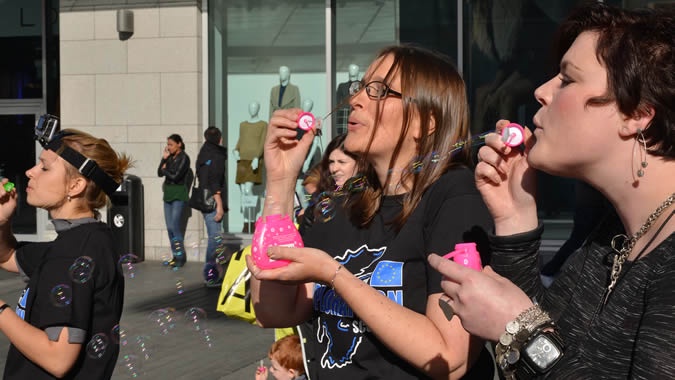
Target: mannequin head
253, 108
284, 74
353, 72
307, 105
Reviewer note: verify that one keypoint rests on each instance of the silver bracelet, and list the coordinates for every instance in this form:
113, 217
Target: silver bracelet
517, 332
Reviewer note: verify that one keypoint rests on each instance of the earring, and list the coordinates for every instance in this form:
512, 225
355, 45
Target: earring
640, 139
69, 198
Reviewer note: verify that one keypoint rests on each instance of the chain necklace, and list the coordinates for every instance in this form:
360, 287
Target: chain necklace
623, 245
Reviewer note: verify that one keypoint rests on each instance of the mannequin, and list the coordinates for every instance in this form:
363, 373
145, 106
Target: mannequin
342, 108
313, 157
285, 95
248, 153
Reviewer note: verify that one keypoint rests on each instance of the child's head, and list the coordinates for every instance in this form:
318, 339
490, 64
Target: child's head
286, 357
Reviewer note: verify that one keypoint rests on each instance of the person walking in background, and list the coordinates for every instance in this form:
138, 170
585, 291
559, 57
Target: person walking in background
175, 168
74, 285
287, 362
211, 175
366, 301
607, 118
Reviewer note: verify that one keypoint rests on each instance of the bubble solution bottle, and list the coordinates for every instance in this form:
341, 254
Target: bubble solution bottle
270, 231
467, 255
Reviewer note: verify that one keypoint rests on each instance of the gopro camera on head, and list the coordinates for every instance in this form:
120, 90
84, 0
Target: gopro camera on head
45, 129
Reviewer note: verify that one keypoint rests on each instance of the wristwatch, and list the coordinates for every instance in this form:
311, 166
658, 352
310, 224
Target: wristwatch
540, 353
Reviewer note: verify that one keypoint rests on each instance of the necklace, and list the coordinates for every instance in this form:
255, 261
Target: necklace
623, 245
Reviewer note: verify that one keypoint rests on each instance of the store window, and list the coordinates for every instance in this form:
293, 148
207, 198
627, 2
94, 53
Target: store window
263, 55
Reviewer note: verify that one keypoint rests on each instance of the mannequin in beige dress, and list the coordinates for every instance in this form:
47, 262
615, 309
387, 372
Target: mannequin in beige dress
248, 153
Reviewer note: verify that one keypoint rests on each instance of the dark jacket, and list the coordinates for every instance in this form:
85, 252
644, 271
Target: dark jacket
211, 168
176, 170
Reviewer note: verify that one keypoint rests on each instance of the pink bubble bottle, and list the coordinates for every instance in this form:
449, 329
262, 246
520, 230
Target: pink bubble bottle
270, 231
466, 254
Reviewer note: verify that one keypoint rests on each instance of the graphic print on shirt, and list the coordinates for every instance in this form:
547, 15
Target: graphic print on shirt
23, 301
341, 333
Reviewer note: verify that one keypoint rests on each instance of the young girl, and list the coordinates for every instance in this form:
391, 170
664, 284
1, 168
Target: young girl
67, 317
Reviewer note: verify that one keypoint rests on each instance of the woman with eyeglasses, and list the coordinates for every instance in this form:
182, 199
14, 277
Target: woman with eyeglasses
364, 295
65, 321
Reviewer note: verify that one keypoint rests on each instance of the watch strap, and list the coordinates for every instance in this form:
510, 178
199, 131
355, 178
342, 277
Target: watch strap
525, 368
3, 307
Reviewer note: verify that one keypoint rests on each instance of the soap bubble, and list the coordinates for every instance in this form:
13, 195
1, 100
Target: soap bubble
128, 264
97, 346
61, 295
82, 269
195, 317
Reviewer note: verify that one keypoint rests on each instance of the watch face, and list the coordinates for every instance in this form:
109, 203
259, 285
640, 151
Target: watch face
542, 352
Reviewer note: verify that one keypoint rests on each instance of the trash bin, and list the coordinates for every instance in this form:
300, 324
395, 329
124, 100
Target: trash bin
125, 218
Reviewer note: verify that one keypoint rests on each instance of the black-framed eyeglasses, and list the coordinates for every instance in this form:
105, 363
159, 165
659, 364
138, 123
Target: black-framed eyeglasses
374, 89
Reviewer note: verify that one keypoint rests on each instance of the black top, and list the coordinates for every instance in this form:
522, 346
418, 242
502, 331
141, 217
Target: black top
211, 167
176, 170
95, 306
340, 345
632, 335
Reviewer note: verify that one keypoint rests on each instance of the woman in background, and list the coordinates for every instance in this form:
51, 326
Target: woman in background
175, 168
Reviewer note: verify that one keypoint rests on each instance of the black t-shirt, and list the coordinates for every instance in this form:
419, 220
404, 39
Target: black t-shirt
340, 345
95, 305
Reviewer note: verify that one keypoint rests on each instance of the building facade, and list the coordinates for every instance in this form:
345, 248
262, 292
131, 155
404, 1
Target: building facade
181, 66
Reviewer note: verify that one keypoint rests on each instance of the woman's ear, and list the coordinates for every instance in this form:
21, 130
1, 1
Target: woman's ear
638, 122
77, 186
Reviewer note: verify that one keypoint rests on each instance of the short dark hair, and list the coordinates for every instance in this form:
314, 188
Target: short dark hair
212, 135
637, 49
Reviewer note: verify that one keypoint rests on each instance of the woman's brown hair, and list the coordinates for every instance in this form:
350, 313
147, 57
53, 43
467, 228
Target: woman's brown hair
434, 91
106, 158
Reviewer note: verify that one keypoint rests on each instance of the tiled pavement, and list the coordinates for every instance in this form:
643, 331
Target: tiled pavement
232, 352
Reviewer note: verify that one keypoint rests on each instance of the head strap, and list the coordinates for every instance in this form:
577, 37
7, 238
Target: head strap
87, 167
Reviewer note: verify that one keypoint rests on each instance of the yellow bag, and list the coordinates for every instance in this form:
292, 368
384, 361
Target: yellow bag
235, 294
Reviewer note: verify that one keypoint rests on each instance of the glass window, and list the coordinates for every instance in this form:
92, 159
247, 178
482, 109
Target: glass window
263, 55
21, 44
17, 154
361, 30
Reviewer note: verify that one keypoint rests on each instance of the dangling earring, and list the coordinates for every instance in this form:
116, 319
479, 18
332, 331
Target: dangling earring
69, 197
640, 139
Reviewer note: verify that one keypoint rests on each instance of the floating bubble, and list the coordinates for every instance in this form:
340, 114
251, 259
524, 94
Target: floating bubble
97, 346
144, 347
324, 210
193, 248
115, 334
223, 255
166, 258
207, 338
211, 274
61, 295
128, 263
179, 286
163, 320
82, 269
195, 317
131, 365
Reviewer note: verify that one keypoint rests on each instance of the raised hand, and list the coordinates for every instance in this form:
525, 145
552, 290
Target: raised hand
507, 183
